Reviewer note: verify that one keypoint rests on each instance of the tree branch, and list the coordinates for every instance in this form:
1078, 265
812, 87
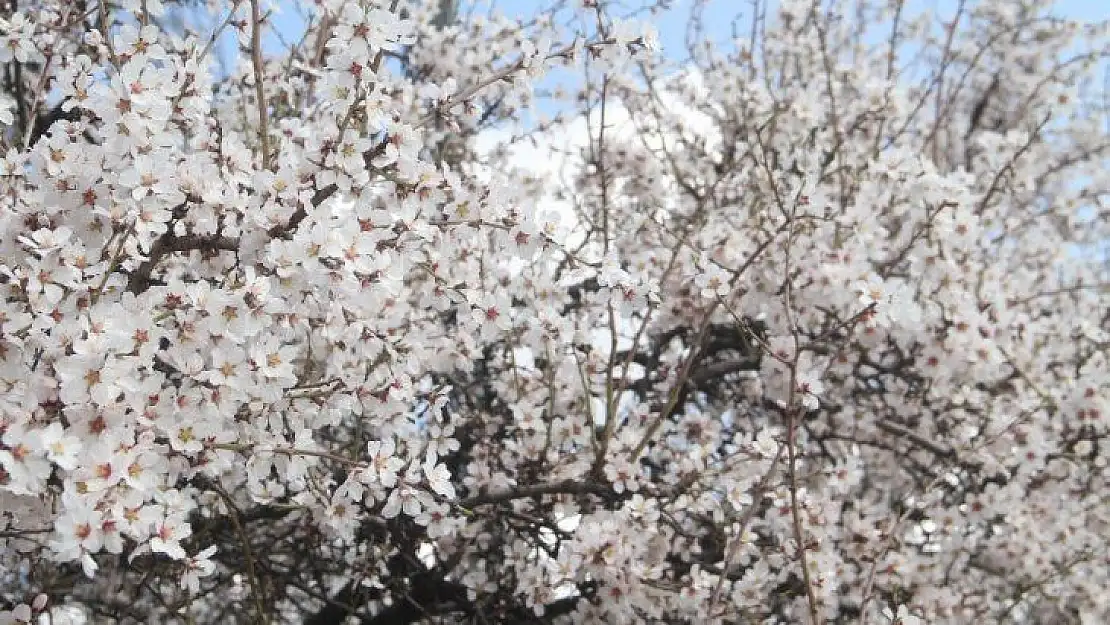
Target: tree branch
566, 487
259, 89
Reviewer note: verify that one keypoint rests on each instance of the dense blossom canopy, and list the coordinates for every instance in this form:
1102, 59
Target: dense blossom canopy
810, 327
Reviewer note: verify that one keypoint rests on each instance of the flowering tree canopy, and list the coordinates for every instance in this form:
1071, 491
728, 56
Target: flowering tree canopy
811, 327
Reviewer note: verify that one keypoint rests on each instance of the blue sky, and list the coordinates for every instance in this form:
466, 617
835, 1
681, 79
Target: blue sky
719, 17
671, 25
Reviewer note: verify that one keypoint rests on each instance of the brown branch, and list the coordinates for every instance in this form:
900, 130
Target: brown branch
757, 497
280, 231
170, 243
259, 89
718, 369
252, 574
795, 512
565, 487
1009, 166
917, 439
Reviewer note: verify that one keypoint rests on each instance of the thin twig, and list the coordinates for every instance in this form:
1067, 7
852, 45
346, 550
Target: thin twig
256, 583
35, 101
795, 513
738, 540
259, 89
105, 30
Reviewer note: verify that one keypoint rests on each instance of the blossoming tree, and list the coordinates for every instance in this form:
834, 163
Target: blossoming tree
808, 328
